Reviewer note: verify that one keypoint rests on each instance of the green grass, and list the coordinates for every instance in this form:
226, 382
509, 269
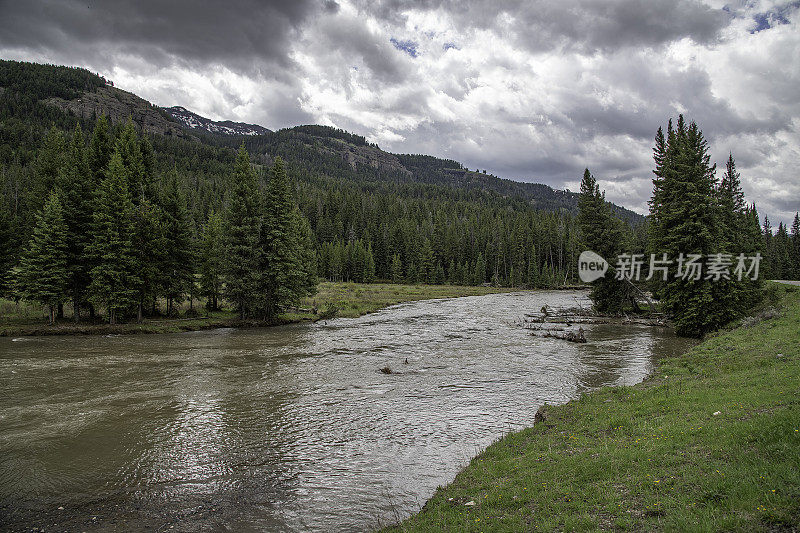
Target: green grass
351, 299
653, 456
356, 299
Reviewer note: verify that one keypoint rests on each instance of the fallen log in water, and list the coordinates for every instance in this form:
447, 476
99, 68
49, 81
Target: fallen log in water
580, 315
571, 336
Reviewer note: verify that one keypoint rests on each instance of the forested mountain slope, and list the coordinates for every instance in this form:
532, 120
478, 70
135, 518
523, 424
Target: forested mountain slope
414, 217
85, 95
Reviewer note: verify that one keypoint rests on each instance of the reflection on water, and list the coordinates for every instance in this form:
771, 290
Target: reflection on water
289, 428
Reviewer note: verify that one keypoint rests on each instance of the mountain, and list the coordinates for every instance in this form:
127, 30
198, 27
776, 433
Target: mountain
226, 127
47, 94
421, 218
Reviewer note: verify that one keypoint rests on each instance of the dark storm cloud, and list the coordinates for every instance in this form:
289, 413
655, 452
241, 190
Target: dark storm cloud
534, 90
242, 34
344, 39
583, 25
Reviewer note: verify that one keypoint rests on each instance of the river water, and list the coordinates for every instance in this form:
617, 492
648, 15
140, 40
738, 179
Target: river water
288, 428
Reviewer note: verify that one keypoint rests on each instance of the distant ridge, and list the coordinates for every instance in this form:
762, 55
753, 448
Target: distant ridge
226, 127
34, 94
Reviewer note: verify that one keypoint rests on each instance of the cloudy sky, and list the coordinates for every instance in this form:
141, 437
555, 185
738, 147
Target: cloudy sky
529, 90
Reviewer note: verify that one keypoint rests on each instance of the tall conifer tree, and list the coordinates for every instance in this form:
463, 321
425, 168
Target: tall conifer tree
796, 247
7, 258
100, 149
150, 253
243, 255
77, 186
43, 276
211, 260
115, 276
282, 282
686, 219
178, 267
601, 233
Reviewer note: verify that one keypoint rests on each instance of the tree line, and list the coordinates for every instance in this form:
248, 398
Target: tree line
418, 219
691, 212
108, 234
415, 219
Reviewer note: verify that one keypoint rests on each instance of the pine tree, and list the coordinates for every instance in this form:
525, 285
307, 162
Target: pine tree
601, 233
685, 219
479, 275
128, 146
43, 276
732, 237
178, 268
546, 277
369, 265
754, 240
242, 263
396, 269
768, 269
100, 149
115, 280
796, 247
439, 275
452, 273
307, 273
750, 243
731, 202
533, 273
76, 184
412, 273
280, 286
336, 261
49, 166
782, 253
211, 261
6, 249
150, 245
354, 261
427, 268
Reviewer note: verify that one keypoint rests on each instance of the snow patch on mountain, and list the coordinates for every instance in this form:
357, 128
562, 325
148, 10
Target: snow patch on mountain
225, 127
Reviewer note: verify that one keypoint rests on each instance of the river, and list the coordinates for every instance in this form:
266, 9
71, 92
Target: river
287, 428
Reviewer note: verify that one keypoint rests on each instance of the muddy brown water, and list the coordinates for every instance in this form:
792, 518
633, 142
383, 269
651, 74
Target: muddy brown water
289, 428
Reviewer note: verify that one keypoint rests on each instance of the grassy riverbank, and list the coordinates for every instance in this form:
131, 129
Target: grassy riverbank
711, 442
350, 299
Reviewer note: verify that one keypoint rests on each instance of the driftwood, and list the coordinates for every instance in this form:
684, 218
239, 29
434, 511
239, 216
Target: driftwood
560, 323
580, 315
571, 336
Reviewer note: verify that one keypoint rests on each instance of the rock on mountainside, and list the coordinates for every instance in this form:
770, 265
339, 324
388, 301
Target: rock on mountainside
225, 127
119, 105
364, 155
